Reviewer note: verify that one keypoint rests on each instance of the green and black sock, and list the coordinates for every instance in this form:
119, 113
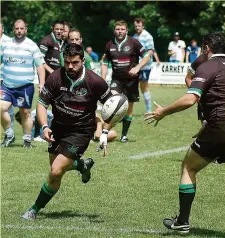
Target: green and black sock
45, 195
126, 125
186, 197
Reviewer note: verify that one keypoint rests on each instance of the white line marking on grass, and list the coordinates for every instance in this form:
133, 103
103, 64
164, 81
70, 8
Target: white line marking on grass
77, 228
156, 153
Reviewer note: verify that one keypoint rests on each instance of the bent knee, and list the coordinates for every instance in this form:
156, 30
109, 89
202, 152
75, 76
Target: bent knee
56, 173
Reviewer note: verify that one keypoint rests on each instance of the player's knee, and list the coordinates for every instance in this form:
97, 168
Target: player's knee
187, 168
25, 113
56, 173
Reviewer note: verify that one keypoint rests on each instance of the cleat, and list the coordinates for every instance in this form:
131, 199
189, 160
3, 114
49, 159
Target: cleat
30, 215
7, 141
86, 174
172, 224
219, 160
39, 139
124, 139
27, 144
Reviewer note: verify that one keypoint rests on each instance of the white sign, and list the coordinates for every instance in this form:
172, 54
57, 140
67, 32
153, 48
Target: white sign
168, 73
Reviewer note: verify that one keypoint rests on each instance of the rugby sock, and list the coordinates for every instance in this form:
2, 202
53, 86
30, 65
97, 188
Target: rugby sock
126, 125
45, 195
74, 166
186, 197
27, 137
37, 128
11, 114
147, 98
9, 132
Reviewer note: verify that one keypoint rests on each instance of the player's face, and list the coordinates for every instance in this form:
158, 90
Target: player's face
74, 37
138, 27
20, 30
65, 33
73, 65
58, 31
120, 32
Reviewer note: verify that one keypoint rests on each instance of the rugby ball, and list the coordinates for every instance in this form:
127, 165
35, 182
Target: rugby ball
115, 108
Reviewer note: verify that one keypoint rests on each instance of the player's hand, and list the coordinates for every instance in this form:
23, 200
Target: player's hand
103, 142
157, 115
40, 86
47, 135
134, 72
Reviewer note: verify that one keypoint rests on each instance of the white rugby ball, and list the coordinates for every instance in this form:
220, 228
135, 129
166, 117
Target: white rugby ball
115, 108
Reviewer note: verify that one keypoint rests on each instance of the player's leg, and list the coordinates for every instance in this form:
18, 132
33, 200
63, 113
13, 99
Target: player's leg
126, 123
6, 123
112, 135
50, 187
11, 114
144, 76
24, 102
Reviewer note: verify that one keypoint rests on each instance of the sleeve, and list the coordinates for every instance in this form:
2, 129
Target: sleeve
170, 46
44, 46
150, 43
203, 78
46, 95
38, 57
106, 55
101, 90
140, 49
188, 49
183, 45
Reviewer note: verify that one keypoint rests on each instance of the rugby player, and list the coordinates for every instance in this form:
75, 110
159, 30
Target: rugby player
73, 92
75, 37
123, 53
208, 87
146, 39
19, 56
67, 29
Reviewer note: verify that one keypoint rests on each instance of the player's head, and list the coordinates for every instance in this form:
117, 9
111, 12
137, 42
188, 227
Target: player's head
73, 59
193, 43
20, 29
176, 36
67, 29
75, 37
139, 25
214, 43
120, 30
1, 29
57, 29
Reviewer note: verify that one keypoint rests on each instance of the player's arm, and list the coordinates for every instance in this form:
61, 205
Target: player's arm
187, 56
199, 51
188, 79
104, 64
156, 57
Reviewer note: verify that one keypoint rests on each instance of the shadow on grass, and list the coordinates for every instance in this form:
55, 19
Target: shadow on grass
199, 232
93, 218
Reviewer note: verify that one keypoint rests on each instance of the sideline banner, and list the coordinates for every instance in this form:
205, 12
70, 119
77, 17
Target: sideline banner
168, 73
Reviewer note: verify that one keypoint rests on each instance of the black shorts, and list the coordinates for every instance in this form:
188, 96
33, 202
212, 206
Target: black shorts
70, 144
210, 144
128, 88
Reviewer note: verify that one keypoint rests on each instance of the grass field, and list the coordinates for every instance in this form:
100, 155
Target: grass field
126, 197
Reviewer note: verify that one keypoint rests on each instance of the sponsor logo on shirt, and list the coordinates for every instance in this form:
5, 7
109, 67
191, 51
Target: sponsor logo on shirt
199, 79
63, 89
126, 48
20, 101
112, 49
81, 92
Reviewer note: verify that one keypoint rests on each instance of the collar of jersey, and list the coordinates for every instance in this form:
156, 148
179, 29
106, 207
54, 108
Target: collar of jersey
216, 55
77, 82
57, 41
14, 40
121, 43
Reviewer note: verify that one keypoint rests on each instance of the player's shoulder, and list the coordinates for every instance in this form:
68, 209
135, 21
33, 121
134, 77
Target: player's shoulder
47, 40
208, 66
92, 76
146, 34
30, 42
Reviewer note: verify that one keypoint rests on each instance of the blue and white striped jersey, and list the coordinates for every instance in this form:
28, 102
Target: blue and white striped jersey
146, 40
19, 61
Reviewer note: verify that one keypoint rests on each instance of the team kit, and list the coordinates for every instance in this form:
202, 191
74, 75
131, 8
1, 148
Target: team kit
68, 83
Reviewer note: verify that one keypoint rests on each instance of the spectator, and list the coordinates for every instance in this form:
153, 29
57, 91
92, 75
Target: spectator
176, 49
193, 51
93, 55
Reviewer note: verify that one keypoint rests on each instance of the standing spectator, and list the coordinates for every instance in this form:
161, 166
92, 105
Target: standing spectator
176, 49
193, 51
146, 40
93, 55
19, 56
5, 38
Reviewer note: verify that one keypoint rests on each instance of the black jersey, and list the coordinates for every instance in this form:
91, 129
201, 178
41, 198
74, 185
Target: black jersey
74, 102
123, 57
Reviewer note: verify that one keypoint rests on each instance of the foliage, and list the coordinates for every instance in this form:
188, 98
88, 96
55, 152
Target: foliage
95, 18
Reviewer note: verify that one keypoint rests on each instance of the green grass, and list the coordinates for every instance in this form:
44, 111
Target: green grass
125, 198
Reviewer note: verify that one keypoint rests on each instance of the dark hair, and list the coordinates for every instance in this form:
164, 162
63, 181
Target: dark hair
69, 24
57, 22
74, 50
140, 20
193, 41
215, 41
